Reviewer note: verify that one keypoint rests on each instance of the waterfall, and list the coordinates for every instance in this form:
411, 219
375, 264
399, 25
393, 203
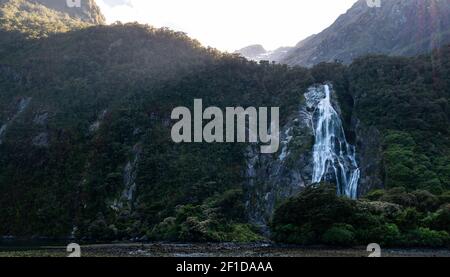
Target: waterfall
334, 158
22, 105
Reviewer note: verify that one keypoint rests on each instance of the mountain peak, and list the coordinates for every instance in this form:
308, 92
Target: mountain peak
397, 27
39, 18
251, 51
88, 10
257, 53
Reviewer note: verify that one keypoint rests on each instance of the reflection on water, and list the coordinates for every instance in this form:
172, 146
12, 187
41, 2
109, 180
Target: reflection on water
22, 245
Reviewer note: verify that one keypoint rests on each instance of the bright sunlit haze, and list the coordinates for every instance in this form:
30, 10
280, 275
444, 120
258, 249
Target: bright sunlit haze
232, 24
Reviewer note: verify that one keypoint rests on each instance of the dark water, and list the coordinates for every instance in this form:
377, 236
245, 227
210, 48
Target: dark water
52, 248
22, 245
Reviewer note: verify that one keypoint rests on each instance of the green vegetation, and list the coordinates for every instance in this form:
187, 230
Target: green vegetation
35, 20
134, 76
408, 101
221, 218
318, 216
130, 77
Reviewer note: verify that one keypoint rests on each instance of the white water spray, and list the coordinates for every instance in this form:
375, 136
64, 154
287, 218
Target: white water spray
334, 157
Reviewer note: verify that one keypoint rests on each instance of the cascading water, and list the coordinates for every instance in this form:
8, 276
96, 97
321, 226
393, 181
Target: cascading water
23, 104
334, 158
271, 179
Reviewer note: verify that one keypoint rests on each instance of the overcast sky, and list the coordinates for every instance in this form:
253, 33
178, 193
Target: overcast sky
232, 24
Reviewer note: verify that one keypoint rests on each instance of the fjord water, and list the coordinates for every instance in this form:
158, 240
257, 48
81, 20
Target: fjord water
334, 158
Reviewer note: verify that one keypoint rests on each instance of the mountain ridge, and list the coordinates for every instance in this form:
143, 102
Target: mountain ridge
257, 53
398, 28
40, 18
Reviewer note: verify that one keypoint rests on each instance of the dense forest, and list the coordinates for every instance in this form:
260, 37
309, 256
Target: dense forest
75, 176
36, 20
85, 148
406, 99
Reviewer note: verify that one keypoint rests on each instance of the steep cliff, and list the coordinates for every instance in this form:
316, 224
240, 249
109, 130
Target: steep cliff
397, 27
314, 149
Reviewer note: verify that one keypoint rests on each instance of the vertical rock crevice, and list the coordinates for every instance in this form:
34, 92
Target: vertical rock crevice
21, 106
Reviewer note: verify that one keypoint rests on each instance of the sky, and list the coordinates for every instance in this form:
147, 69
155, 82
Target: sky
229, 25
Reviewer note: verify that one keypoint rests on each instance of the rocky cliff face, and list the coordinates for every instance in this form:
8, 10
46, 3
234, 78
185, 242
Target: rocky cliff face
398, 27
271, 179
274, 178
258, 53
88, 10
369, 152
40, 18
252, 52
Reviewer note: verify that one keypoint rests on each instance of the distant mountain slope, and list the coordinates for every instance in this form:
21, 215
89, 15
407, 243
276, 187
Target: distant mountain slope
88, 11
252, 52
38, 18
258, 53
398, 27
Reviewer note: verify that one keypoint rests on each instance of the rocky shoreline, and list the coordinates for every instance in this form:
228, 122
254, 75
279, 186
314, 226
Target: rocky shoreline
212, 250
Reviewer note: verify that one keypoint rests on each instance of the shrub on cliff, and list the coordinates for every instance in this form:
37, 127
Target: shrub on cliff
220, 218
425, 237
440, 220
386, 234
422, 200
340, 235
318, 216
306, 218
